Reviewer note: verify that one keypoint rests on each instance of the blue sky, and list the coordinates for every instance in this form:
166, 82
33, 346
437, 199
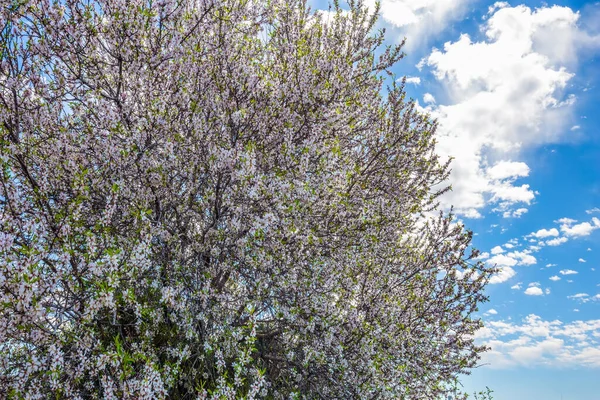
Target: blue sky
514, 86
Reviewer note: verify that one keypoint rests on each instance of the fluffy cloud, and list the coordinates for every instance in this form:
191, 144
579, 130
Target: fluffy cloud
534, 291
579, 296
577, 230
544, 233
523, 257
428, 98
415, 80
508, 194
508, 169
536, 342
567, 272
584, 298
557, 241
555, 278
506, 93
566, 221
419, 20
504, 274
502, 260
506, 261
515, 213
511, 259
497, 250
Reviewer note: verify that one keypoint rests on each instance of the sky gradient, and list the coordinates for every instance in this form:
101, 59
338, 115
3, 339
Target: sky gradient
514, 86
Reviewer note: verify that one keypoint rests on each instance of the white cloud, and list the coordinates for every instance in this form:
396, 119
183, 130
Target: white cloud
554, 278
547, 291
581, 260
523, 257
584, 298
557, 241
578, 296
544, 233
428, 98
506, 97
582, 229
506, 192
567, 272
415, 80
534, 291
420, 20
497, 250
593, 210
492, 311
502, 260
505, 262
516, 286
537, 342
508, 169
575, 128
566, 221
550, 265
504, 274
515, 213
471, 213
483, 333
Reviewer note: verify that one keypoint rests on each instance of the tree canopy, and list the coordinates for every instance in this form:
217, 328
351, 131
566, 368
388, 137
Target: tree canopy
221, 199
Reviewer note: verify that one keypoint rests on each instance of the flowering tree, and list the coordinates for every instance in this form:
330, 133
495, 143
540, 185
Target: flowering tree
217, 199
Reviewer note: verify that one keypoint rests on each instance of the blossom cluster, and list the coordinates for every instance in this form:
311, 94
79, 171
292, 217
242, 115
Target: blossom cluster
218, 199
